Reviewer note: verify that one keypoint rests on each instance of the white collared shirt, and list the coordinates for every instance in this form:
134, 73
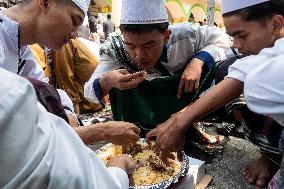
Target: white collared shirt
40, 150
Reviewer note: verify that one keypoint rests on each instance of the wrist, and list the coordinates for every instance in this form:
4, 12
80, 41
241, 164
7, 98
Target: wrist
106, 82
184, 121
197, 63
118, 162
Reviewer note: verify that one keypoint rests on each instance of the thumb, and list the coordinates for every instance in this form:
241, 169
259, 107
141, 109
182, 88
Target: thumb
123, 71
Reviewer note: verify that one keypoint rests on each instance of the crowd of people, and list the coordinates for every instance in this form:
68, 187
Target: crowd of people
49, 76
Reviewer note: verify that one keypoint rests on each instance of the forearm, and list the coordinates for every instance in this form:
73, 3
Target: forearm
92, 133
72, 120
215, 98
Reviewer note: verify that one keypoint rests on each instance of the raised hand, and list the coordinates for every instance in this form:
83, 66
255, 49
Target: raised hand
123, 80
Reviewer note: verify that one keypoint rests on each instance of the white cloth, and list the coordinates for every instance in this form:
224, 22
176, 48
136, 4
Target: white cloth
66, 102
186, 40
143, 12
264, 87
94, 47
83, 5
9, 55
40, 150
233, 5
263, 81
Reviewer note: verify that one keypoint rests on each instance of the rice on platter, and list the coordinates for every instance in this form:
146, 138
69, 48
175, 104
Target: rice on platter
152, 171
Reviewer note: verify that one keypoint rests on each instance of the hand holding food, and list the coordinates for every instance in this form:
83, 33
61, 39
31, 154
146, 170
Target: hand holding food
123, 80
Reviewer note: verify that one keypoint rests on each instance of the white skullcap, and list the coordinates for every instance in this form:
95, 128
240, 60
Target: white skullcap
83, 5
143, 12
233, 5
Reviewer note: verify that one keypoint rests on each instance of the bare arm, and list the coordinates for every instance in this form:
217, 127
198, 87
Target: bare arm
217, 97
170, 134
116, 132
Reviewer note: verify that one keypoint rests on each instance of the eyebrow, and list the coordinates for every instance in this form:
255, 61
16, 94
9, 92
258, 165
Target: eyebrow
236, 33
149, 42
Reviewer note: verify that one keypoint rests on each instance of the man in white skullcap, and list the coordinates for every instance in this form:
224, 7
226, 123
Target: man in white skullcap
38, 149
16, 33
254, 25
149, 44
33, 21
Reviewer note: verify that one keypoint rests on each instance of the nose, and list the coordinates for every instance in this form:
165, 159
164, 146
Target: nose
236, 44
139, 54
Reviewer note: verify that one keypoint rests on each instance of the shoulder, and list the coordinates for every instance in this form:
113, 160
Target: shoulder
182, 31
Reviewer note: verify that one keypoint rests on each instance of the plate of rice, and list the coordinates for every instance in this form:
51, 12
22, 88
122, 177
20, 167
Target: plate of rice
153, 173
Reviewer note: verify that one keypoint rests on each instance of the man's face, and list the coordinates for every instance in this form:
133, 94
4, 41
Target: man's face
58, 23
249, 37
144, 48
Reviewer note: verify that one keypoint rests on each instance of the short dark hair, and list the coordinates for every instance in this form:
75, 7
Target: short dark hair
260, 12
140, 28
108, 16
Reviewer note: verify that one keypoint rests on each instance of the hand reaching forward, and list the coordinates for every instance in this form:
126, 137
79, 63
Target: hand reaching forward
169, 136
121, 133
124, 162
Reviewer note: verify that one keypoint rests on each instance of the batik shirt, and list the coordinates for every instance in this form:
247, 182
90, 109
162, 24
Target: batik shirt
187, 41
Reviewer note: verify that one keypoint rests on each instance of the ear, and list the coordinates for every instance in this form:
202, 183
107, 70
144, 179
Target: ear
167, 35
277, 23
44, 5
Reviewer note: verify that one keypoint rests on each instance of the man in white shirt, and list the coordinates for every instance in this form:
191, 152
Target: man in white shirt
264, 94
40, 150
252, 32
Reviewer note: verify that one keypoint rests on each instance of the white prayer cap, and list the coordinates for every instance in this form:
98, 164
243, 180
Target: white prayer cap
143, 12
233, 5
83, 5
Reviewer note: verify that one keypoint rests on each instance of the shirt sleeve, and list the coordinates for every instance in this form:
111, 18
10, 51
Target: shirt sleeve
92, 89
188, 41
264, 89
66, 102
213, 41
241, 67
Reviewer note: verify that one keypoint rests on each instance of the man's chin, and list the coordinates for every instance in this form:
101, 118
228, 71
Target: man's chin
145, 66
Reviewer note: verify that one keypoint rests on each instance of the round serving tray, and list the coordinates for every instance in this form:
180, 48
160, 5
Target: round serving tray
164, 184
